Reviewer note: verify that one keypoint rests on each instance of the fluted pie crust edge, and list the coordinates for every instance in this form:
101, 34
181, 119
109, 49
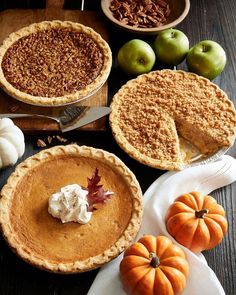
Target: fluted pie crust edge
77, 266
67, 98
123, 142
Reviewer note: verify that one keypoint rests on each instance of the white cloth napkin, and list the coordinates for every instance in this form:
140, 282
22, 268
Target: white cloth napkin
157, 199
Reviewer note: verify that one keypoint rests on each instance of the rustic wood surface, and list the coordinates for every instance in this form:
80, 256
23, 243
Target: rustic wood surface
12, 20
207, 20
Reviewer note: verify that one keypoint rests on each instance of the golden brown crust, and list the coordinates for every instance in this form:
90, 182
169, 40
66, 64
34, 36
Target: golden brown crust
121, 244
198, 108
62, 100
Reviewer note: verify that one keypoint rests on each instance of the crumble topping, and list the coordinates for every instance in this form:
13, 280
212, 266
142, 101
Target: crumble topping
53, 62
149, 130
149, 111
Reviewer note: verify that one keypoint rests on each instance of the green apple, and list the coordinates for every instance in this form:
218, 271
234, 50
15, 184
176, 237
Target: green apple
207, 58
171, 46
136, 57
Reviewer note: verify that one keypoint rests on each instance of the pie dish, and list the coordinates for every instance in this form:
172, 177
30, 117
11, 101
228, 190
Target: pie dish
151, 113
54, 63
44, 241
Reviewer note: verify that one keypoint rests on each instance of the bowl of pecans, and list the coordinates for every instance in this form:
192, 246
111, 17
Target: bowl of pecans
145, 16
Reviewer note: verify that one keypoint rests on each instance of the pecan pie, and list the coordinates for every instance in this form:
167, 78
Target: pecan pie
152, 112
46, 242
54, 63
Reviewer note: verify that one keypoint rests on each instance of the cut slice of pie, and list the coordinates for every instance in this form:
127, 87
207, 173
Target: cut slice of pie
44, 241
151, 112
54, 63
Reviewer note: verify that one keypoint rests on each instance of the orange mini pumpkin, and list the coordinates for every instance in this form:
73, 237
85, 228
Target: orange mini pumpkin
196, 221
154, 266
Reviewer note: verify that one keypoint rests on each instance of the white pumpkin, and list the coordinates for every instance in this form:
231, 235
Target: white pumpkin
12, 143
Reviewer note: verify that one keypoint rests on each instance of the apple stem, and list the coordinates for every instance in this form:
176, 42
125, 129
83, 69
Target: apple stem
172, 34
142, 61
204, 48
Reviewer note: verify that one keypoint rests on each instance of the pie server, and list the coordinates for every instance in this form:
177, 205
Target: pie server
71, 117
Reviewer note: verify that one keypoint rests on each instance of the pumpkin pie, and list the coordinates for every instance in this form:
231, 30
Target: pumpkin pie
150, 114
46, 242
54, 63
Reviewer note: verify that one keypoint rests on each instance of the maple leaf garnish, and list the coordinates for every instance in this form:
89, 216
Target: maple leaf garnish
96, 193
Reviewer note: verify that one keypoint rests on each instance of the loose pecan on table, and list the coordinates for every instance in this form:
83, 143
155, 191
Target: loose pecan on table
50, 139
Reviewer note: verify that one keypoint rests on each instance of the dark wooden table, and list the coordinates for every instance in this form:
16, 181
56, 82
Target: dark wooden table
207, 20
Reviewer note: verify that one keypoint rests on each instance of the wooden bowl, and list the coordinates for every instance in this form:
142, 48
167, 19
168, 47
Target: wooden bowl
178, 11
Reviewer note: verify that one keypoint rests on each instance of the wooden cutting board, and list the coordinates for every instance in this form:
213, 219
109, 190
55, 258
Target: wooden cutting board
12, 20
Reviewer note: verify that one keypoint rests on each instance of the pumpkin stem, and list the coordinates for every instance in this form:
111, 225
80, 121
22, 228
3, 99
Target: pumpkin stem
155, 261
201, 213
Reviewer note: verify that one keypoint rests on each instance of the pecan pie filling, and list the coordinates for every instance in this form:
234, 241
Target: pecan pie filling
52, 62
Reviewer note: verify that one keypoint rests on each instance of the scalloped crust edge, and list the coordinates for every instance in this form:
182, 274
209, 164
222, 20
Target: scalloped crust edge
78, 266
128, 148
62, 100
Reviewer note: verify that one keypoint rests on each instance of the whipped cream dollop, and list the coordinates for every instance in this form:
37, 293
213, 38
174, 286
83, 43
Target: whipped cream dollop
70, 204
